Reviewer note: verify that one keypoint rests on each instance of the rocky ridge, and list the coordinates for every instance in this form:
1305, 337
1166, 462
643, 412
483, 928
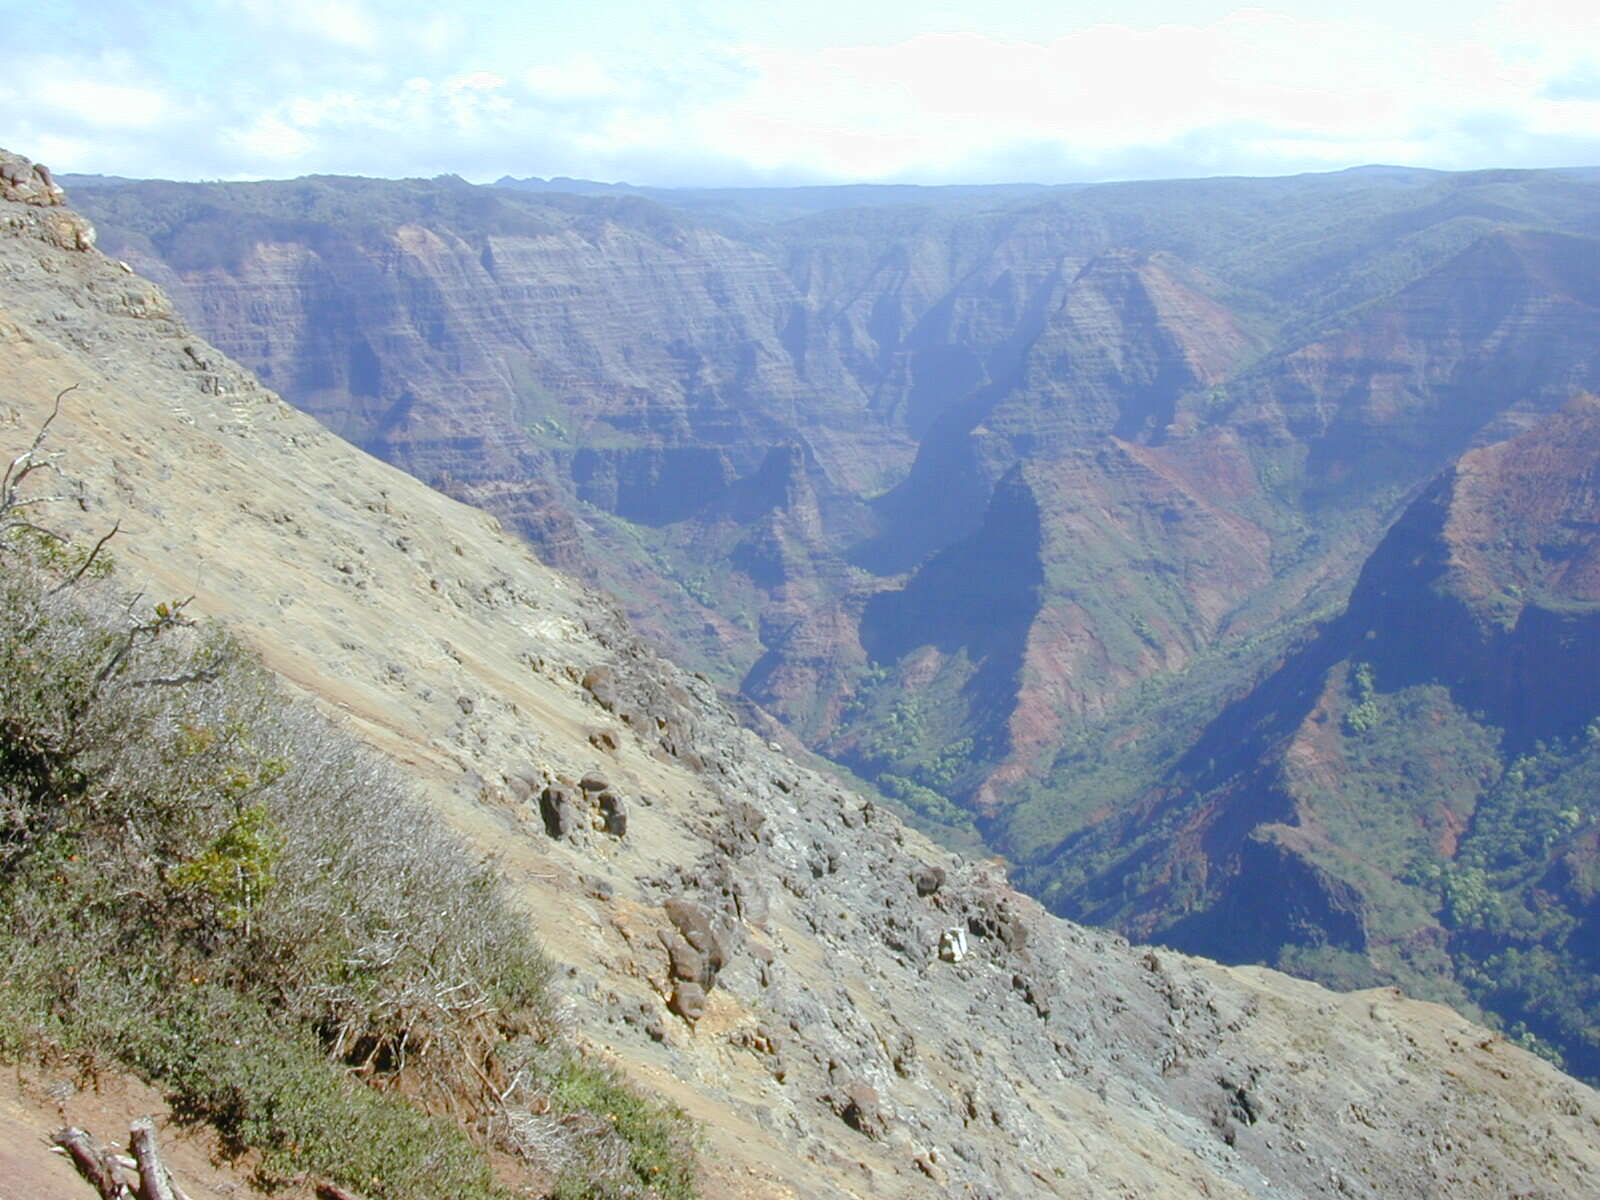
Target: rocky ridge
849, 1009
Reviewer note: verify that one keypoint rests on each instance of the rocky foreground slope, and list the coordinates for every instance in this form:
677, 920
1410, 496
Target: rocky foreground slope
740, 931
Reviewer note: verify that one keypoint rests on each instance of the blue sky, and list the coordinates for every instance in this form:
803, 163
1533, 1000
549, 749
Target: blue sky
715, 92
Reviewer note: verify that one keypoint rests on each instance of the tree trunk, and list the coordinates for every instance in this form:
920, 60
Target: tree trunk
93, 1163
154, 1181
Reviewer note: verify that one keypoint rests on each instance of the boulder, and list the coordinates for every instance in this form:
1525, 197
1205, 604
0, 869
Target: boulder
858, 1107
600, 682
613, 814
694, 924
688, 1000
686, 964
555, 809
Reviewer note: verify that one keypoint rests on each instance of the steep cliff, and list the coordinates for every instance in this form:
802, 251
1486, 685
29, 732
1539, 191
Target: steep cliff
837, 1051
1220, 391
1014, 503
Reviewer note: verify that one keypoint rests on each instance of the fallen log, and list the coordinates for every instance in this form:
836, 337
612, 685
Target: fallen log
155, 1181
93, 1163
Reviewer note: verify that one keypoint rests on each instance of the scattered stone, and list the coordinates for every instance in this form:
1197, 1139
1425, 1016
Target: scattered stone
741, 829
684, 962
928, 880
555, 809
953, 944
858, 1107
904, 1059
603, 739
694, 924
600, 682
1242, 1102
928, 1164
613, 814
688, 1000
1014, 934
751, 902
1036, 994
594, 783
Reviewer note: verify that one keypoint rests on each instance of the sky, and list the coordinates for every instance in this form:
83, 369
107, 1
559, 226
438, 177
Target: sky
717, 93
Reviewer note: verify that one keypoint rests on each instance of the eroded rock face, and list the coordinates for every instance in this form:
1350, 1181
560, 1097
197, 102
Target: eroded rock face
556, 809
26, 182
32, 185
1076, 441
1440, 711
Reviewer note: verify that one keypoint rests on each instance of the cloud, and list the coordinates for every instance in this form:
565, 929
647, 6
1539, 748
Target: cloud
271, 138
1321, 90
582, 77
121, 107
1581, 83
343, 23
250, 88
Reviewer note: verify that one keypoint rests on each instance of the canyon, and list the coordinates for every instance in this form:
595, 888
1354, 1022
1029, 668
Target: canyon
1048, 512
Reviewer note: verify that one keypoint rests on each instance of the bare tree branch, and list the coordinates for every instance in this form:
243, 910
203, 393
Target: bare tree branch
155, 1181
17, 473
205, 676
93, 1163
88, 562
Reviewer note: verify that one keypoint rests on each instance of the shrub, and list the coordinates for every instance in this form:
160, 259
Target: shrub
209, 883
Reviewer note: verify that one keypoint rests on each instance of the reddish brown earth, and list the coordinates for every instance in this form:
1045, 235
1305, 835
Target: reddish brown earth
36, 1103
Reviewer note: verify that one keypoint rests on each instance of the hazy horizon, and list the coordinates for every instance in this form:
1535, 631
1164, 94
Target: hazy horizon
717, 94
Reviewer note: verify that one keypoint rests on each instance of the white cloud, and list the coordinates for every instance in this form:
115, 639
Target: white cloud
104, 105
273, 138
581, 77
437, 34
1328, 91
343, 23
475, 81
389, 87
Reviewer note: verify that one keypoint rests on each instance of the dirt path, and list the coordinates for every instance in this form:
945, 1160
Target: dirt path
34, 1104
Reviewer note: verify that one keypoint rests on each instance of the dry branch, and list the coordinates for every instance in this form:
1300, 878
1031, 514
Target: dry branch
93, 1163
155, 1182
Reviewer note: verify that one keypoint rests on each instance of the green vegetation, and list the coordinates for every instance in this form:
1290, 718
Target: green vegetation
208, 884
1363, 714
1522, 900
